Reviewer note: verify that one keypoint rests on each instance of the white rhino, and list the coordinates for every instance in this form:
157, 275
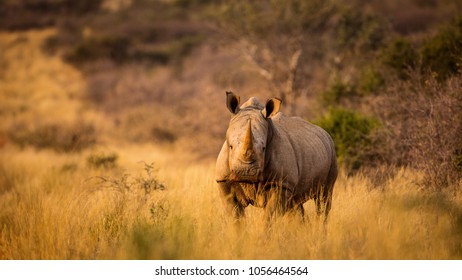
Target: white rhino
272, 161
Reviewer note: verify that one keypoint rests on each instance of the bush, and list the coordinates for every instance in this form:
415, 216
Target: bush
60, 137
458, 160
352, 134
400, 56
115, 48
33, 14
442, 53
370, 80
102, 160
126, 184
359, 32
163, 135
159, 33
424, 120
336, 92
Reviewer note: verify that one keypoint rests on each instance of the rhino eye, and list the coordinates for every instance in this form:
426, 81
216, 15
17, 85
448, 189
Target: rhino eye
264, 149
230, 147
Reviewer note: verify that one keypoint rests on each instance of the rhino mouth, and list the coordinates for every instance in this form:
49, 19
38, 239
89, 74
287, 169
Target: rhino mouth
247, 175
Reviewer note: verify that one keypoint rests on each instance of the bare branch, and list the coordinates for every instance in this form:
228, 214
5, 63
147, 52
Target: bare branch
249, 51
294, 63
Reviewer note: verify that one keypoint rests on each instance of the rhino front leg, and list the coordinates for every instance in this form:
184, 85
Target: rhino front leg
279, 202
230, 198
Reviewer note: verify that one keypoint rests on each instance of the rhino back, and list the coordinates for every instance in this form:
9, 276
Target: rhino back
300, 153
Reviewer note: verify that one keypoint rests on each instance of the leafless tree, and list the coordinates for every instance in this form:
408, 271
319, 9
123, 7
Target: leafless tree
280, 38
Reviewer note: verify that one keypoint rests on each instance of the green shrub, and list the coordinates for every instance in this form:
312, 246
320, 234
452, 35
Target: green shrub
400, 55
115, 48
121, 48
352, 134
359, 32
336, 92
370, 80
458, 162
442, 53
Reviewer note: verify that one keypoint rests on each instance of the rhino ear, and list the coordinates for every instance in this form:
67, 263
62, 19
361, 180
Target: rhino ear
272, 107
232, 102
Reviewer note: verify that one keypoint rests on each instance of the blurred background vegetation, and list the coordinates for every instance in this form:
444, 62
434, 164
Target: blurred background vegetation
383, 77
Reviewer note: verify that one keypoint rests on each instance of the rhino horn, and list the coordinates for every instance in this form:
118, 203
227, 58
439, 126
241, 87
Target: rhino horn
247, 148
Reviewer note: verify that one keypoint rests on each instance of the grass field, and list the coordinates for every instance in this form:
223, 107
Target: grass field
59, 206
119, 174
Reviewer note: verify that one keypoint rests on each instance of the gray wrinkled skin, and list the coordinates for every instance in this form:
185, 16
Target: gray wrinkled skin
272, 161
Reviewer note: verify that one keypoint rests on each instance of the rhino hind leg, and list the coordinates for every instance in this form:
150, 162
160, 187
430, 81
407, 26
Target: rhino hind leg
323, 202
324, 198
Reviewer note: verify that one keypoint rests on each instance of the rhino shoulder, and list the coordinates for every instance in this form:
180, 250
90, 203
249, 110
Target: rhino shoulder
222, 167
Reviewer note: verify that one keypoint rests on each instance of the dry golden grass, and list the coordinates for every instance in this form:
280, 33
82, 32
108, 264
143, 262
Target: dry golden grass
37, 89
31, 81
57, 206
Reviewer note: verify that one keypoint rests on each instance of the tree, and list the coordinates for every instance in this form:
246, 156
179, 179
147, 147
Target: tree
281, 38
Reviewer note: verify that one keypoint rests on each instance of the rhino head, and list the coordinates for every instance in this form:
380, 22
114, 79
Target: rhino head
247, 137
